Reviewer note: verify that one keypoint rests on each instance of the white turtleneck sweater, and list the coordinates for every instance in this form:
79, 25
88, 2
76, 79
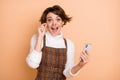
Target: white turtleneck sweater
34, 58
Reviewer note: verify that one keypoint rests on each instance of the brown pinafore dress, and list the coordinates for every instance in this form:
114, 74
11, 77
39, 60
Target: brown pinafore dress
52, 63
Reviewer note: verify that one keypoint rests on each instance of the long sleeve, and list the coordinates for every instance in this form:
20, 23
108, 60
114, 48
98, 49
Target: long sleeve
70, 60
34, 58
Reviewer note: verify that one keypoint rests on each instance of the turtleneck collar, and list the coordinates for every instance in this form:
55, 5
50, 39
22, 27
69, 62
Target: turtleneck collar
48, 34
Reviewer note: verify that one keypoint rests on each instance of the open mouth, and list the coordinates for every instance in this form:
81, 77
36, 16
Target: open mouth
54, 29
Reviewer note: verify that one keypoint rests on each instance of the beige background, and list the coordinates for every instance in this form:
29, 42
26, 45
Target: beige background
94, 21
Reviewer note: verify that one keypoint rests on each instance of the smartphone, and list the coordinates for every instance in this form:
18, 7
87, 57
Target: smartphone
87, 47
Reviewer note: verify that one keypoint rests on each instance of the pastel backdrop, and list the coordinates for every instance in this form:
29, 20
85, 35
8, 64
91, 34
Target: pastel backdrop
94, 21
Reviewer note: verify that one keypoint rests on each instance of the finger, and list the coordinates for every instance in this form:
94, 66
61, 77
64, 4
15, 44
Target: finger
81, 60
44, 25
84, 60
85, 53
40, 29
84, 56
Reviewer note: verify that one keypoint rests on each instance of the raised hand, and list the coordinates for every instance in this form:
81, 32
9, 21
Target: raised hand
41, 33
84, 58
41, 30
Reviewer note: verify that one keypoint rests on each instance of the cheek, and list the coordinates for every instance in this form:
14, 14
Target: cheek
61, 24
48, 25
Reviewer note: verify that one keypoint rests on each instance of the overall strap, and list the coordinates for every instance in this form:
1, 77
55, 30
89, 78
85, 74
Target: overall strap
44, 40
65, 42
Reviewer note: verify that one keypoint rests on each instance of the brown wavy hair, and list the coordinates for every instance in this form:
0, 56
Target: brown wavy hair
56, 9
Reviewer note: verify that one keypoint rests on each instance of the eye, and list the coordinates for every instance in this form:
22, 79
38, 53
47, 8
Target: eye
49, 20
58, 19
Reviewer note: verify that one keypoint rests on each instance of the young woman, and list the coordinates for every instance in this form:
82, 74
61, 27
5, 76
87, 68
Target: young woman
50, 53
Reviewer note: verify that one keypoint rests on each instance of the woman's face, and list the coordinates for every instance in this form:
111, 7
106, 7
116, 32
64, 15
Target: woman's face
54, 23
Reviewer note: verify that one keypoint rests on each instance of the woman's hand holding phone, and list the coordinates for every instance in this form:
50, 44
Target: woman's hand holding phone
84, 57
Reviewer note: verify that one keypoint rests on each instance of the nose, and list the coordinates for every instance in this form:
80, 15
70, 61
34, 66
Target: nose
54, 22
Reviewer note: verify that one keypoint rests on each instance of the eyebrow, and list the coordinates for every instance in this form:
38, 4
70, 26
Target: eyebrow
51, 17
